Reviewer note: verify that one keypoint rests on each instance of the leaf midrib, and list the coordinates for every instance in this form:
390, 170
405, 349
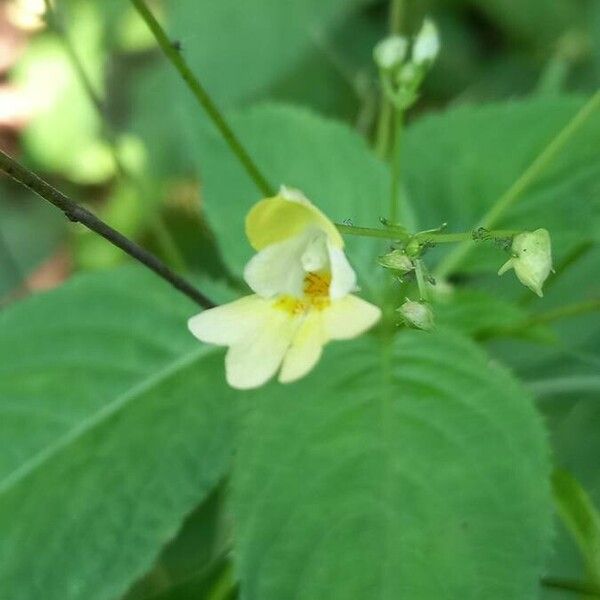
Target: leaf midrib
100, 416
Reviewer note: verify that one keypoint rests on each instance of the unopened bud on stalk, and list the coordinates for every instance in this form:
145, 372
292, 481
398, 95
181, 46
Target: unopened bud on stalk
397, 261
417, 314
408, 74
532, 259
427, 44
390, 52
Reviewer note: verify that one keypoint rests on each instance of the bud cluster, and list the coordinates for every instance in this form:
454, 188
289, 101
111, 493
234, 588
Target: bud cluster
403, 68
531, 259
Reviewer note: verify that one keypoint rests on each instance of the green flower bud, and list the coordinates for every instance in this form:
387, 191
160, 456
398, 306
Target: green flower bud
396, 260
413, 248
417, 314
532, 259
408, 75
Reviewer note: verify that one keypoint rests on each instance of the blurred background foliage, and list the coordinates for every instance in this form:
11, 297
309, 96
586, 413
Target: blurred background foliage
125, 139
88, 102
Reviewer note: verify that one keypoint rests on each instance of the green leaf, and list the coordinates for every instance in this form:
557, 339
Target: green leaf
581, 518
115, 424
564, 378
418, 470
533, 20
329, 162
238, 53
476, 312
189, 565
458, 163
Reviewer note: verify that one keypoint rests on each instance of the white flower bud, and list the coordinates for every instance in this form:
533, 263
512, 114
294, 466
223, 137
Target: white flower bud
427, 44
417, 314
390, 52
532, 259
396, 260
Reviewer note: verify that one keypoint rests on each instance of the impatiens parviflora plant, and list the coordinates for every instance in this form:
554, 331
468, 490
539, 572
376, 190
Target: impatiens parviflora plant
302, 283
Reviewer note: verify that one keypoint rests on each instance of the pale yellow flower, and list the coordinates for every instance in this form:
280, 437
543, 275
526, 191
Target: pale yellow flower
302, 282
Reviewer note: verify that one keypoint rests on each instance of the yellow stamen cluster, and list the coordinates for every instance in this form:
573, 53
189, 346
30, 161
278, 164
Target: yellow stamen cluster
316, 295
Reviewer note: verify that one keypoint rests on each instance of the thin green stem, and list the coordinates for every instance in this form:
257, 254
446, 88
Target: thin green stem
384, 126
174, 56
523, 183
397, 10
451, 238
570, 585
386, 110
390, 233
425, 237
421, 282
398, 119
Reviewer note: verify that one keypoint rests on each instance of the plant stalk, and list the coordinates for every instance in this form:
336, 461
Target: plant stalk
397, 120
79, 214
173, 54
425, 237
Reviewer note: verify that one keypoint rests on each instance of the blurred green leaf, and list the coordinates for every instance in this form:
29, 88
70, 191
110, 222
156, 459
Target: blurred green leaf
475, 312
333, 74
31, 232
536, 21
126, 211
576, 351
330, 163
238, 53
168, 119
190, 566
65, 133
581, 517
458, 163
564, 378
115, 424
418, 470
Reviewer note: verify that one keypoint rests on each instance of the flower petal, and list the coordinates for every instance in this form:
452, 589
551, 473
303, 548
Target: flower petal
343, 277
286, 215
253, 361
227, 324
278, 269
349, 317
258, 335
305, 349
509, 264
